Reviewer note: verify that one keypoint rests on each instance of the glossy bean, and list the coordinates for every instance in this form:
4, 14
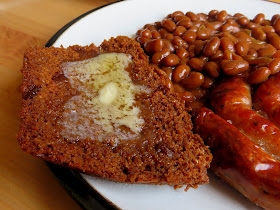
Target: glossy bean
180, 73
171, 60
235, 67
212, 68
242, 48
196, 64
259, 75
212, 46
194, 80
274, 66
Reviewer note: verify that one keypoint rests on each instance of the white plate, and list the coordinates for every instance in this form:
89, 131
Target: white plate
125, 18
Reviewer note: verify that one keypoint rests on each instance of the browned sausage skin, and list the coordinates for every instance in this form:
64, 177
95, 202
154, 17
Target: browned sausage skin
239, 161
231, 100
267, 98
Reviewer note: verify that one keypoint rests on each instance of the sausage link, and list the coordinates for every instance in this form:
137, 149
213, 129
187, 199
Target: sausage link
239, 161
232, 101
267, 98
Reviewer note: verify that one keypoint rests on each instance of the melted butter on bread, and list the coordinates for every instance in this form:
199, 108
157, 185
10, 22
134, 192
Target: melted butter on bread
106, 103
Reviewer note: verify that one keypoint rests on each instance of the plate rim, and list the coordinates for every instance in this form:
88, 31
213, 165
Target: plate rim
71, 180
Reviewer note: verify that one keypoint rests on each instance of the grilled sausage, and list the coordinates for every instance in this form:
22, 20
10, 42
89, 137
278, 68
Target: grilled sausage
240, 161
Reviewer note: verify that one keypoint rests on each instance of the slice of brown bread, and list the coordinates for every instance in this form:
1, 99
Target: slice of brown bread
148, 138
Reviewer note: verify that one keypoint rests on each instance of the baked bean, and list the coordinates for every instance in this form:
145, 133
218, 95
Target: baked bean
150, 27
187, 96
210, 27
168, 24
266, 23
142, 40
178, 88
243, 20
217, 25
242, 36
253, 53
235, 67
178, 42
274, 17
276, 24
187, 23
248, 57
163, 32
196, 64
212, 68
180, 17
256, 46
189, 36
217, 56
168, 45
230, 36
227, 55
194, 80
180, 30
238, 15
259, 75
197, 23
154, 45
158, 25
182, 53
158, 56
139, 32
177, 13
213, 13
192, 51
236, 57
274, 66
193, 28
201, 17
275, 41
203, 33
267, 29
184, 61
200, 47
192, 16
212, 46
155, 34
169, 36
227, 44
258, 33
222, 16
230, 28
252, 25
267, 51
242, 48
259, 61
259, 18
180, 73
277, 54
146, 33
171, 60
208, 83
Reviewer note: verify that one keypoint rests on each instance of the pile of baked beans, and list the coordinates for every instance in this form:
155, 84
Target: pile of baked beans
195, 50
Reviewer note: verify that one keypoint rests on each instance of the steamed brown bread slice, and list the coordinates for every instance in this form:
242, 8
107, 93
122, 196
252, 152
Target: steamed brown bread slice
107, 112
